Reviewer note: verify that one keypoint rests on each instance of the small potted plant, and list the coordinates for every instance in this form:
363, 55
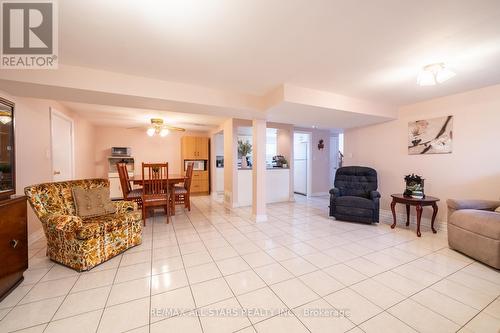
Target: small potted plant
244, 148
414, 186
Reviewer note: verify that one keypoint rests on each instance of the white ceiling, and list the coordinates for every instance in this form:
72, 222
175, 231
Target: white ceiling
365, 49
113, 116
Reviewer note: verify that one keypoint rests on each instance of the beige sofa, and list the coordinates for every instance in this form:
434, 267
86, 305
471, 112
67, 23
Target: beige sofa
474, 229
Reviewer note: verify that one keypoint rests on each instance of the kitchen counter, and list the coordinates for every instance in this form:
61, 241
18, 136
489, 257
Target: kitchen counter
277, 186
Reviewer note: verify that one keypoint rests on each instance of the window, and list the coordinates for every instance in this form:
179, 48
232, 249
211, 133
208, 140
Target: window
271, 144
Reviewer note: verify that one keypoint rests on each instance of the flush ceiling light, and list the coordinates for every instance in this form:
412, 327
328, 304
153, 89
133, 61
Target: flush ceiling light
433, 74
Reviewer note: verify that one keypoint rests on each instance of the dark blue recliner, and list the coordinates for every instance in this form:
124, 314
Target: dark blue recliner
355, 197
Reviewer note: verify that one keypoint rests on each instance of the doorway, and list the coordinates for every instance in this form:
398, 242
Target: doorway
62, 136
301, 163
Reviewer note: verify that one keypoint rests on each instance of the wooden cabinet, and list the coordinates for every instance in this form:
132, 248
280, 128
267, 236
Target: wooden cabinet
13, 243
194, 148
197, 148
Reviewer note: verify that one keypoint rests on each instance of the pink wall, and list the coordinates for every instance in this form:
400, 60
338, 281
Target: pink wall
472, 170
33, 146
144, 148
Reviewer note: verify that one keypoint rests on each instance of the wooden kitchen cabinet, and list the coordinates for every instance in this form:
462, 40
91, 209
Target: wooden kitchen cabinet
197, 148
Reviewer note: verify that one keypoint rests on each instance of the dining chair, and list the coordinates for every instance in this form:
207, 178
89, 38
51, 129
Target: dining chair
182, 192
129, 194
155, 189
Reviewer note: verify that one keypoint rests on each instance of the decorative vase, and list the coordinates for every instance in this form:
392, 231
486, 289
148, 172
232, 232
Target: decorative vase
244, 162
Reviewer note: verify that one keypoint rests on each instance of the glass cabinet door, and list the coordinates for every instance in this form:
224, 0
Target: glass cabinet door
7, 170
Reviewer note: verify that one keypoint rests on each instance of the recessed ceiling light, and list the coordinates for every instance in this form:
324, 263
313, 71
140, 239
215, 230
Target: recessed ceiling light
433, 74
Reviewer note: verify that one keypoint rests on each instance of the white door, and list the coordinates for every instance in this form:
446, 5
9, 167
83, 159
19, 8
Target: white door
300, 167
62, 146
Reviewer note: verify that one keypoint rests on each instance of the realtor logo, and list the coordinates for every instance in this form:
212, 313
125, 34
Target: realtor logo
29, 35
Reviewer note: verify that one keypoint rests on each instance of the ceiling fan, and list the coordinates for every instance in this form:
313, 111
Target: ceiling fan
158, 127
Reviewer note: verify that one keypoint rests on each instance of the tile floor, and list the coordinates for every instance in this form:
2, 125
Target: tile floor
213, 270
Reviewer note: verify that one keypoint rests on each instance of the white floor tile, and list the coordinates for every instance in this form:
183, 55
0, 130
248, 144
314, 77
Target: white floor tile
81, 302
273, 273
83, 323
94, 280
128, 291
321, 283
294, 292
319, 316
212, 291
203, 272
232, 265
386, 323
445, 306
49, 289
227, 318
421, 318
244, 282
357, 307
168, 281
261, 304
124, 317
171, 303
484, 323
345, 274
281, 324
377, 293
30, 314
184, 324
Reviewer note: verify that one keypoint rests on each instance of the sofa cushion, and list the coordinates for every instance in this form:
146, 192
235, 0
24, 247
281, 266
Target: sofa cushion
481, 222
354, 206
91, 202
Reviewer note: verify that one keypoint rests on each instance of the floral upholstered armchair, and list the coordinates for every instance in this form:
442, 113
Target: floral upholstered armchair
83, 243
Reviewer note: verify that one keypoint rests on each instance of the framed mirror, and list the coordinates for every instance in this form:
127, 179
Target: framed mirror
7, 156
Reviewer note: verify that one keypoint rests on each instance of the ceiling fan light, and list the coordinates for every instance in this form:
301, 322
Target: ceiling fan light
444, 74
164, 132
426, 78
151, 131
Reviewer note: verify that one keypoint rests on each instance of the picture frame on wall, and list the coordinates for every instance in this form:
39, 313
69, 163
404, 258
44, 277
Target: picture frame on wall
430, 136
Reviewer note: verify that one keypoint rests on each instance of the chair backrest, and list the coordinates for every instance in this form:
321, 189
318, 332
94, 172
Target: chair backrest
57, 198
124, 179
189, 176
155, 179
356, 181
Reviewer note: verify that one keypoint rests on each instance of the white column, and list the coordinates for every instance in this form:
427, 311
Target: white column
259, 171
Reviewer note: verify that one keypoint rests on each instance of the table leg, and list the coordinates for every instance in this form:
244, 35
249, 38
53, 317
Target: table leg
407, 215
434, 213
393, 209
419, 216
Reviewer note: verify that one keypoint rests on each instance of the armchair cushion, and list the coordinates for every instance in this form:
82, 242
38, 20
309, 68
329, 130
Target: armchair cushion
90, 202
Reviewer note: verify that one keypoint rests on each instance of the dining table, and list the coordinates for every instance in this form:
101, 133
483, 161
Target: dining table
173, 179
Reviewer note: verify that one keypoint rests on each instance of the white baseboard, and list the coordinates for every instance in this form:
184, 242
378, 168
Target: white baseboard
319, 194
425, 223
35, 236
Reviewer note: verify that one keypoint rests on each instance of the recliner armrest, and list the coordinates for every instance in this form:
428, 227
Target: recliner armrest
374, 194
335, 192
454, 205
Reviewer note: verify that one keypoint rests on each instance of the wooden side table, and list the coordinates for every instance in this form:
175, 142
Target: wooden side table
419, 203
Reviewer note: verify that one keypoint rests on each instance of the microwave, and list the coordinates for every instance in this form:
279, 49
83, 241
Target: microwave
121, 151
198, 165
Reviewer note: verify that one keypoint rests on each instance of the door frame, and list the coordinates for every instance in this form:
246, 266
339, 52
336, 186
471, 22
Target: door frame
53, 112
309, 161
